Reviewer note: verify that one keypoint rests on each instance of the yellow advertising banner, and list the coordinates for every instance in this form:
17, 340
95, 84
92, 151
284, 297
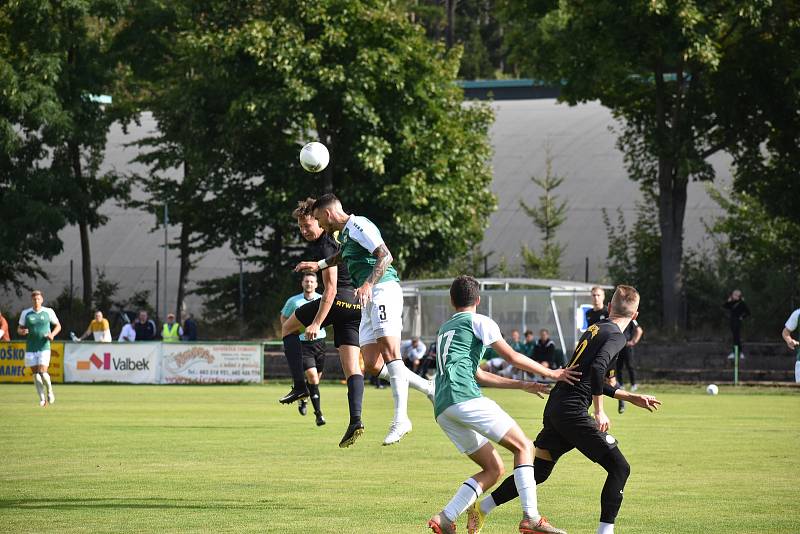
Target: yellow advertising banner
12, 362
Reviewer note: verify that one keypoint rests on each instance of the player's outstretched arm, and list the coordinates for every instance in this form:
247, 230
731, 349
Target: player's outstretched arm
329, 278
383, 260
520, 361
314, 266
493, 381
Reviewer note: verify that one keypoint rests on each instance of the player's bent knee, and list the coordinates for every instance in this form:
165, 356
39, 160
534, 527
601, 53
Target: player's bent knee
615, 464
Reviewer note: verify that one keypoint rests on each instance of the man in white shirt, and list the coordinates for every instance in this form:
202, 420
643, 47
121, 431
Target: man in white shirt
128, 332
412, 350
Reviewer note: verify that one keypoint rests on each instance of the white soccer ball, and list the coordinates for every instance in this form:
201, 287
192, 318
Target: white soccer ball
314, 157
712, 389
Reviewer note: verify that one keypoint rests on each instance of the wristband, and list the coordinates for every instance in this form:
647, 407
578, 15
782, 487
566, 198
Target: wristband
322, 264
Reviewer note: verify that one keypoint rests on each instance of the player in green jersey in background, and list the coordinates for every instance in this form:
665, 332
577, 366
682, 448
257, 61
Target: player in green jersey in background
34, 324
468, 418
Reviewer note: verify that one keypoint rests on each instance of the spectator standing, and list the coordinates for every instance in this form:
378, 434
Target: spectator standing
4, 334
34, 324
171, 332
792, 326
412, 351
98, 328
145, 328
599, 310
189, 328
128, 333
738, 312
544, 349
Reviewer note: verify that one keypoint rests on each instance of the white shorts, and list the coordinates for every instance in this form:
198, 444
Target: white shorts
468, 424
41, 357
797, 371
383, 314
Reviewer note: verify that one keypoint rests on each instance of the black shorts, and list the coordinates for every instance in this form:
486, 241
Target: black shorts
345, 316
314, 355
566, 432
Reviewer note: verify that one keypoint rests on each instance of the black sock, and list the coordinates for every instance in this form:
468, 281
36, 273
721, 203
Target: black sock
507, 490
293, 351
355, 394
611, 497
313, 390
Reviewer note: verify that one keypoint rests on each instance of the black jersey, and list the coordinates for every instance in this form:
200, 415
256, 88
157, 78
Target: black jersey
596, 350
325, 247
594, 316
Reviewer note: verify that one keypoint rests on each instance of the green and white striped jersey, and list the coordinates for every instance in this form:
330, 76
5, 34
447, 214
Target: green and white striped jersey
460, 344
359, 239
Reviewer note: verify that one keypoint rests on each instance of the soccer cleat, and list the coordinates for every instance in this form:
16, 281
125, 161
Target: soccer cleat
431, 390
320, 419
634, 387
51, 398
475, 518
621, 407
302, 407
42, 403
397, 430
295, 394
440, 525
354, 430
543, 526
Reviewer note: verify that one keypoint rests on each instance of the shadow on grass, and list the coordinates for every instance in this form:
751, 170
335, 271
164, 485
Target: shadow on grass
152, 503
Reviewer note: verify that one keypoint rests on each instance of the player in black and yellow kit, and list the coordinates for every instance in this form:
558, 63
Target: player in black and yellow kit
567, 424
338, 307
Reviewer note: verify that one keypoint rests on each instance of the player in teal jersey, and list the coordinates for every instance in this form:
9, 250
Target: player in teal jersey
34, 324
792, 326
468, 418
370, 265
312, 350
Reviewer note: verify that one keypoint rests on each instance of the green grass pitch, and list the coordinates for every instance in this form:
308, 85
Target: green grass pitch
231, 459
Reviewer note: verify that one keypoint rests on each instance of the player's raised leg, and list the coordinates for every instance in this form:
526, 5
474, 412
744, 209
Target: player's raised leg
293, 350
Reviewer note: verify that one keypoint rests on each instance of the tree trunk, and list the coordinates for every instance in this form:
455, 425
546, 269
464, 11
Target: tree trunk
185, 253
671, 210
83, 227
451, 22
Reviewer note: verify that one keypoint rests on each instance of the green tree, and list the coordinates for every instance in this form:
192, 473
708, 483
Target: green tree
666, 70
548, 216
55, 135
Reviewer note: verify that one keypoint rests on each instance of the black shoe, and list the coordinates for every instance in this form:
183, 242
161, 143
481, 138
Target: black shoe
352, 434
320, 419
302, 407
621, 407
294, 395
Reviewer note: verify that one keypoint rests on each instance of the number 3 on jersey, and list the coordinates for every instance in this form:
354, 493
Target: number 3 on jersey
441, 352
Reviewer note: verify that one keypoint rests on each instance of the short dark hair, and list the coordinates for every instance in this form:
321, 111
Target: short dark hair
464, 291
308, 273
325, 201
305, 208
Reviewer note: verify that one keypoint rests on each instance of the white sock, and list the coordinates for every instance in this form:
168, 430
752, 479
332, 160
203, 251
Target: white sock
37, 381
463, 499
415, 381
48, 386
488, 504
397, 379
526, 487
605, 528
384, 374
